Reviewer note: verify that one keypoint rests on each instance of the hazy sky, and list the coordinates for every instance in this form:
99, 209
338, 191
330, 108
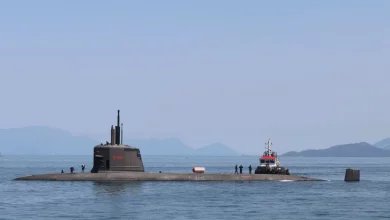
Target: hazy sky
309, 74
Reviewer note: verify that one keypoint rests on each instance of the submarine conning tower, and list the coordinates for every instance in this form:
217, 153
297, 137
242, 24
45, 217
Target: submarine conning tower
115, 156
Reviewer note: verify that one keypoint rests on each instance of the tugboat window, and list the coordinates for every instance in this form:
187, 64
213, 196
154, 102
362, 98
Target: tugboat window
272, 161
262, 161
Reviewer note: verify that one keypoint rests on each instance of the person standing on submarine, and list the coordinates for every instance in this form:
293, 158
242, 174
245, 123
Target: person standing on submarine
241, 169
250, 169
236, 169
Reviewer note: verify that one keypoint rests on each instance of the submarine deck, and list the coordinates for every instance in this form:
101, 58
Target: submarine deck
141, 176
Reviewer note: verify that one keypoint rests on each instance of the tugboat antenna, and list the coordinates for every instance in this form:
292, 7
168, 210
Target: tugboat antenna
268, 147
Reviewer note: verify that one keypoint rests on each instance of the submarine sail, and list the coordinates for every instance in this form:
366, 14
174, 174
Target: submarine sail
115, 156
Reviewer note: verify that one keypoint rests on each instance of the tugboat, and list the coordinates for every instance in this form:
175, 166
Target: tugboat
269, 162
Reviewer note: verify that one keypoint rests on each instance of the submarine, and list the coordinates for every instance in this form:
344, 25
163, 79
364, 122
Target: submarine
114, 161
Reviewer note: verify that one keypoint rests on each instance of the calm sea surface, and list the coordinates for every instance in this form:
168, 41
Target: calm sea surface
332, 199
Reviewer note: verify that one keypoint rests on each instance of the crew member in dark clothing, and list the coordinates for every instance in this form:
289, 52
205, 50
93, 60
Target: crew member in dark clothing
71, 170
82, 168
236, 169
62, 171
241, 169
250, 169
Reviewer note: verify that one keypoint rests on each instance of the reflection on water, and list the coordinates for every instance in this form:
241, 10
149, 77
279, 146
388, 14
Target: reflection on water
116, 188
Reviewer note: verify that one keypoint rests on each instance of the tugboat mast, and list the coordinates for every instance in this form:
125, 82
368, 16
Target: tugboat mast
268, 147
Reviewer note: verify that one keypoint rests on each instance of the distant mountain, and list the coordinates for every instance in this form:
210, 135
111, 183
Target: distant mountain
385, 143
47, 140
170, 146
43, 140
361, 149
216, 149
173, 146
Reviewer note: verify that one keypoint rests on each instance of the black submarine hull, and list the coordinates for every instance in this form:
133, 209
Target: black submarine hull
142, 176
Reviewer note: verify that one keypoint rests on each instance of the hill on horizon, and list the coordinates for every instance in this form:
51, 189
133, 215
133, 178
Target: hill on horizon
174, 146
213, 148
35, 140
384, 143
361, 149
43, 140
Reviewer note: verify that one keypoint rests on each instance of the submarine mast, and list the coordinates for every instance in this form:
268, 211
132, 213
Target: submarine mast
122, 134
112, 135
118, 131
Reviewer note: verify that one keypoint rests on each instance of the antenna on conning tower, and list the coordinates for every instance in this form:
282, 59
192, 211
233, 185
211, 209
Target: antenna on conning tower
112, 135
122, 134
118, 131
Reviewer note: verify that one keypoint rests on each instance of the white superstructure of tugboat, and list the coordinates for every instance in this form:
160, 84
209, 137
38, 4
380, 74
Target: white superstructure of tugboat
269, 162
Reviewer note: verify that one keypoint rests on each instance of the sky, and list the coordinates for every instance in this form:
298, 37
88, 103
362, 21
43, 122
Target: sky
308, 74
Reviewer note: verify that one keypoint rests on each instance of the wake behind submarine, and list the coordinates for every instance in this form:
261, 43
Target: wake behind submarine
118, 162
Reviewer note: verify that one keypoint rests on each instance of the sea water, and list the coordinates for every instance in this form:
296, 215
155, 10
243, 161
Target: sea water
331, 199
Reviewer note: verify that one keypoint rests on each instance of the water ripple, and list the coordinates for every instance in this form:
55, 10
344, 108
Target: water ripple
333, 199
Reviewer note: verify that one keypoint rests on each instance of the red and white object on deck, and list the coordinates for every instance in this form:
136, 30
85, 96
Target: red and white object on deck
198, 169
269, 158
